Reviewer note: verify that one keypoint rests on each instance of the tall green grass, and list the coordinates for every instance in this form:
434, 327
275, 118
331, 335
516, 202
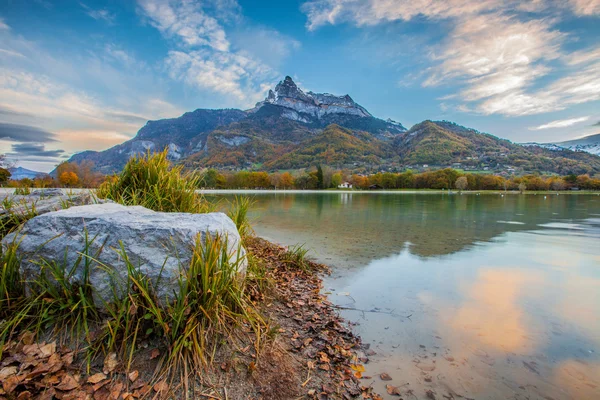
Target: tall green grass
238, 212
151, 181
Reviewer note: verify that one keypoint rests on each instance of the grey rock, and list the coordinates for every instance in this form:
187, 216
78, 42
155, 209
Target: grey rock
47, 192
157, 243
43, 201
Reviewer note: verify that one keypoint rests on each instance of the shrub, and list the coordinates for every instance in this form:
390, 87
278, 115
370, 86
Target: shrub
150, 181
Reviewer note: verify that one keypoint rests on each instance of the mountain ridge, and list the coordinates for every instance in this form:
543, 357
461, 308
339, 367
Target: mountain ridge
292, 129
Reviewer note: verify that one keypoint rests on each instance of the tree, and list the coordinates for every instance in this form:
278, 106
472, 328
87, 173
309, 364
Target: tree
69, 178
4, 175
558, 184
287, 180
461, 183
319, 177
336, 179
522, 187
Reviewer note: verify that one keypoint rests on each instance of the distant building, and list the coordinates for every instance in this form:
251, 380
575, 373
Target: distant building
345, 185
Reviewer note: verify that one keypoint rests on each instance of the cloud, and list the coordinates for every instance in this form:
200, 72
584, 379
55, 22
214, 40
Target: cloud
597, 124
24, 133
496, 53
186, 21
585, 7
205, 58
563, 123
226, 73
264, 44
34, 150
100, 14
3, 25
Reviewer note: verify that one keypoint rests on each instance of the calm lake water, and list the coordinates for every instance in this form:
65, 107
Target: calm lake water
483, 297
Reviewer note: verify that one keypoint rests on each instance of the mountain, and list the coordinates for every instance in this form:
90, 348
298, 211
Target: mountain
589, 144
19, 173
444, 143
292, 129
235, 138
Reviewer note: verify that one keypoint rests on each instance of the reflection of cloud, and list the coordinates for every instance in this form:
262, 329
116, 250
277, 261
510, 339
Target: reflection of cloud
491, 313
580, 379
582, 306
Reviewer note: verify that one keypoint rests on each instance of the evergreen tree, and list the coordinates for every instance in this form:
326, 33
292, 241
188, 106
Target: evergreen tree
320, 177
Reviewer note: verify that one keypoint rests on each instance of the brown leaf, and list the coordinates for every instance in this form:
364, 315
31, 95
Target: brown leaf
25, 395
48, 349
393, 390
68, 358
68, 383
10, 383
155, 353
27, 337
385, 377
99, 377
115, 391
133, 375
110, 363
6, 372
161, 387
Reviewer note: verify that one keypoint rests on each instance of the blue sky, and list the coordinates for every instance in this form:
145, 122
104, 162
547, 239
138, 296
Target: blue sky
77, 75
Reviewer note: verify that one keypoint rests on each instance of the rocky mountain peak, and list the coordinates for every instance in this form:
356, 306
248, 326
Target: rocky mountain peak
304, 106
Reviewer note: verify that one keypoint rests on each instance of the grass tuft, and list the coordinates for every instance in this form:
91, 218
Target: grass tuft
150, 181
295, 256
238, 212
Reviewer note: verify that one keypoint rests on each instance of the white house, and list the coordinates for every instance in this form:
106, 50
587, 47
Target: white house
345, 185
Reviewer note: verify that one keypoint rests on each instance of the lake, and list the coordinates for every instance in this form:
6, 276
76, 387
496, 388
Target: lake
475, 296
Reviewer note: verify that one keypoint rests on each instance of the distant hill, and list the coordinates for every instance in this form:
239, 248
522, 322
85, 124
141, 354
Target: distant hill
19, 173
292, 129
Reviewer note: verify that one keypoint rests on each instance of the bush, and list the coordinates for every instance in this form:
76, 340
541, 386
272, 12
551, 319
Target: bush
150, 181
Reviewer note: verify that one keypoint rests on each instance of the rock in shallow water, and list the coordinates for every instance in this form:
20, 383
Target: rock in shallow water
154, 241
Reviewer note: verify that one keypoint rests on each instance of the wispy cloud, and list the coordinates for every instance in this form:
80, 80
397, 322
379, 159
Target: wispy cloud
3, 25
186, 21
100, 14
563, 123
492, 53
204, 57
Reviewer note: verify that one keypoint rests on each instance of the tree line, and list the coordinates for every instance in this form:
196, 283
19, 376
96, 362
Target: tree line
323, 177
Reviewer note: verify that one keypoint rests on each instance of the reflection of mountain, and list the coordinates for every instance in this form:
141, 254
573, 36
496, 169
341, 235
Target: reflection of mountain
357, 228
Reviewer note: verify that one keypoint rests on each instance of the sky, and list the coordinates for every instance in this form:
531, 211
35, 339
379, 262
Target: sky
87, 75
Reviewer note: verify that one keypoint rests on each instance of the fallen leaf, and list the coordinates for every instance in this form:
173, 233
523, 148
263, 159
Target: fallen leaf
68, 383
110, 363
155, 353
6, 372
393, 390
27, 337
385, 377
25, 395
161, 387
357, 367
48, 349
99, 377
10, 383
133, 375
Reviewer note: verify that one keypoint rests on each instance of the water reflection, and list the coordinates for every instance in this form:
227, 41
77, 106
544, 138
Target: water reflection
482, 297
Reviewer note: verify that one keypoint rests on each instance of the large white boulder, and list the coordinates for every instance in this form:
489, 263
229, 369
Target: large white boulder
158, 243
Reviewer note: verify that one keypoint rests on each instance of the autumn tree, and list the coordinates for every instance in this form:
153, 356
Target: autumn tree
286, 180
68, 178
522, 187
461, 183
